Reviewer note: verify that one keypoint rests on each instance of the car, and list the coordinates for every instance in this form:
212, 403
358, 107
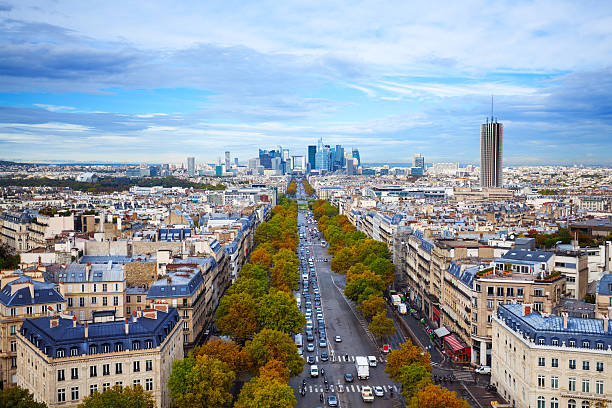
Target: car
371, 361
324, 356
323, 343
332, 401
378, 391
310, 360
310, 347
309, 336
338, 339
325, 259
314, 371
483, 370
366, 394
348, 377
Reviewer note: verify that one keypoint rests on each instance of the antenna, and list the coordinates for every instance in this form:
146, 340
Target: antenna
491, 108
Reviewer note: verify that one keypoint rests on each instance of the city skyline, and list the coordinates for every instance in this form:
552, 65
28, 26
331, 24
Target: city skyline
79, 83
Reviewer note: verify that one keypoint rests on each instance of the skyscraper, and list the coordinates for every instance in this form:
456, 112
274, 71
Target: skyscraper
191, 166
491, 150
418, 161
312, 151
227, 160
356, 156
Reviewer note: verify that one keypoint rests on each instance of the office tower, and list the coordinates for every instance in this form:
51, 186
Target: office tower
312, 151
350, 166
322, 157
191, 166
276, 163
298, 163
227, 160
338, 157
253, 163
356, 156
236, 161
418, 161
491, 150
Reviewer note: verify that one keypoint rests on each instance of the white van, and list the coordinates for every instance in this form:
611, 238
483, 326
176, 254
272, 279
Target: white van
372, 361
314, 371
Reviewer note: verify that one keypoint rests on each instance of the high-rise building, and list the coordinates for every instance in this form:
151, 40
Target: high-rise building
312, 151
227, 160
356, 156
236, 161
191, 166
491, 150
339, 157
418, 161
322, 157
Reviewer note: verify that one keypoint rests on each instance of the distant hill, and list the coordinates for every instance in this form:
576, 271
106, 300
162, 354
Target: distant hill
10, 163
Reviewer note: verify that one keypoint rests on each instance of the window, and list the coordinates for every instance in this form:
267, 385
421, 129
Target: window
74, 373
105, 369
74, 393
538, 306
555, 342
119, 347
135, 345
106, 348
74, 352
116, 287
185, 302
541, 362
500, 291
60, 353
70, 302
538, 292
149, 384
61, 376
149, 365
13, 330
520, 292
185, 325
13, 346
13, 362
572, 343
572, 384
127, 299
541, 381
118, 368
599, 387
586, 344
115, 300
554, 382
572, 364
490, 304
138, 299
119, 383
105, 386
81, 302
490, 290
148, 344
600, 366
541, 341
136, 382
29, 310
93, 388
13, 311
104, 301
61, 395
585, 365
93, 371
554, 402
478, 288
104, 287
541, 402
571, 403
554, 362
586, 385
599, 346
510, 292
136, 366
185, 338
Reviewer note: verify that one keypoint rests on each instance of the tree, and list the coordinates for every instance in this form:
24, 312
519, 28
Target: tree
381, 326
371, 306
119, 397
278, 311
363, 286
434, 396
200, 381
275, 369
413, 377
255, 287
342, 260
8, 260
227, 351
17, 397
262, 257
254, 272
272, 344
266, 392
406, 355
237, 316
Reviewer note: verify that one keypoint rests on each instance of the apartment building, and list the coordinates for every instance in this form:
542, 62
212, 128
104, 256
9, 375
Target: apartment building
14, 229
603, 296
551, 361
21, 297
92, 288
61, 361
574, 265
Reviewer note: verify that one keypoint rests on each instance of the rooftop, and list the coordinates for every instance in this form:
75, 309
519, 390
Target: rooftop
12, 296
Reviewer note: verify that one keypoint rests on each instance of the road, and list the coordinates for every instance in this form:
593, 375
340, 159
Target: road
340, 319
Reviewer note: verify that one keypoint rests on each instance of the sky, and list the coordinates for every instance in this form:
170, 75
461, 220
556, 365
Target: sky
157, 81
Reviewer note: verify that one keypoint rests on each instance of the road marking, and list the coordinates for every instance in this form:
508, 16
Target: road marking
310, 388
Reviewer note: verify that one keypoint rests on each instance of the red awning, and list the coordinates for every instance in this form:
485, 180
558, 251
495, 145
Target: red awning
453, 343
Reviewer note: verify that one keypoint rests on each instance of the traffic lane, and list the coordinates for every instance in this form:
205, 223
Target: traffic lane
418, 330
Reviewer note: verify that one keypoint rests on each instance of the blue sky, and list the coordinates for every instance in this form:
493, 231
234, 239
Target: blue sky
156, 81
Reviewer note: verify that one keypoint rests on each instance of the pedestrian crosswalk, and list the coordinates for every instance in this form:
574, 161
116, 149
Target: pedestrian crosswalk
348, 388
343, 359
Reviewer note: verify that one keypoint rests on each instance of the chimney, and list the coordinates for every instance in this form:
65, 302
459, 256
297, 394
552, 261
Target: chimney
53, 322
139, 313
162, 307
127, 326
526, 308
86, 331
134, 316
150, 314
606, 323
74, 321
565, 316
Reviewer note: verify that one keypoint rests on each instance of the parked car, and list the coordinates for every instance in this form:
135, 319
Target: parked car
483, 370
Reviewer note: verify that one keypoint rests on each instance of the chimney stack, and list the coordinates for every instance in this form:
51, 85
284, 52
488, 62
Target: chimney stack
127, 326
526, 308
606, 323
565, 316
74, 321
86, 331
53, 322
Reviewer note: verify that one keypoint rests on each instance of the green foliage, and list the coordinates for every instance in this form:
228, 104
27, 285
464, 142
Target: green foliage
292, 188
119, 397
278, 311
364, 285
200, 381
237, 316
547, 191
272, 344
107, 184
372, 306
381, 326
589, 298
413, 377
17, 397
266, 392
254, 287
8, 260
